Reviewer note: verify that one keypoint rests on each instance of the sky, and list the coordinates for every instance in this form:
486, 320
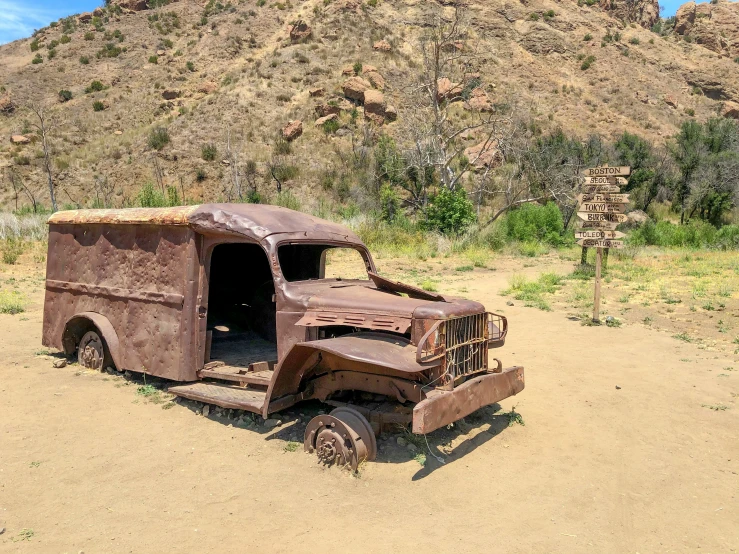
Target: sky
18, 18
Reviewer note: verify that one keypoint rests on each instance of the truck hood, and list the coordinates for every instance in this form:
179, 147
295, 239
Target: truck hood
365, 298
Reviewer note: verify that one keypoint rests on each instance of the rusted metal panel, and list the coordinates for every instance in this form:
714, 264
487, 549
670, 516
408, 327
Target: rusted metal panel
364, 321
116, 293
151, 216
441, 408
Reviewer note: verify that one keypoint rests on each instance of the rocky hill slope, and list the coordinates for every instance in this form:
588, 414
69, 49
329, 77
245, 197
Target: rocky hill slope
202, 96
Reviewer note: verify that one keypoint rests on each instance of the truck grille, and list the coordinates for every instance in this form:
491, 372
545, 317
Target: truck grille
466, 344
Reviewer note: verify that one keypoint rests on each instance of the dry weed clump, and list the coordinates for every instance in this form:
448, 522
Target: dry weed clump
29, 227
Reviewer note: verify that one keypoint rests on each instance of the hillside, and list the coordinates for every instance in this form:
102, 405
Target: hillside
233, 76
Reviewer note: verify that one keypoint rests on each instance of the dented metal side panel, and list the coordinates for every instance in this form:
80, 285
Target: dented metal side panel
178, 215
137, 276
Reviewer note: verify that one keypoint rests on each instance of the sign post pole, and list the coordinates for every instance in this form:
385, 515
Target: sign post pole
596, 300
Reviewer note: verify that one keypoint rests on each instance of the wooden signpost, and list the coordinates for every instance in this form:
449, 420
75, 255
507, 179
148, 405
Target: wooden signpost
601, 208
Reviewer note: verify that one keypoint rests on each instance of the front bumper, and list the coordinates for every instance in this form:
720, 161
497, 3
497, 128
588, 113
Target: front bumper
441, 408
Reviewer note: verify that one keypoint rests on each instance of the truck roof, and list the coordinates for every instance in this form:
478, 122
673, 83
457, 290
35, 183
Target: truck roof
252, 220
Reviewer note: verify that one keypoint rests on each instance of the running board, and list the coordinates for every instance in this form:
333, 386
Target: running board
238, 375
222, 395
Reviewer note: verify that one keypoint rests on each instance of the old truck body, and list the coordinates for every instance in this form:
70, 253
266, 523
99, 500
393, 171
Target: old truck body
232, 301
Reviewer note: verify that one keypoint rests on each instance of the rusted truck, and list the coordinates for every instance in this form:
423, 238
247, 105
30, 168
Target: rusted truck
242, 305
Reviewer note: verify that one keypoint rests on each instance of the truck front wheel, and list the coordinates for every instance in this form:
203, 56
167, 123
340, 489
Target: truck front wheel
343, 437
92, 353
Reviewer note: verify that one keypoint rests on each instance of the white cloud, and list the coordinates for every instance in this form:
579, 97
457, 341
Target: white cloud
18, 20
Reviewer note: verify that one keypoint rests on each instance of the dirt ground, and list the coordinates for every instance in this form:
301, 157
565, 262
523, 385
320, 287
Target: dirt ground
625, 448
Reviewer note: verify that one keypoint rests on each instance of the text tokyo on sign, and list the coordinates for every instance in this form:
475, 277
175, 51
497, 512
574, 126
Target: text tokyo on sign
613, 218
605, 181
603, 207
599, 234
607, 171
601, 243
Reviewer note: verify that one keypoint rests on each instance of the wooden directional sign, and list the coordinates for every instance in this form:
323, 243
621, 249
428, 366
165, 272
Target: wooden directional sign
591, 216
606, 171
599, 225
598, 234
605, 181
603, 207
598, 197
601, 243
600, 189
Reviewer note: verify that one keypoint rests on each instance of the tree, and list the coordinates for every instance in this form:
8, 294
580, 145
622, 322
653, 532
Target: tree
651, 169
45, 124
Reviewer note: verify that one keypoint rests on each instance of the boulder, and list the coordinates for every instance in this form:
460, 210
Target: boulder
60, 363
368, 68
382, 46
643, 12
161, 52
374, 106
446, 90
84, 17
314, 92
391, 113
292, 130
684, 18
321, 120
635, 218
479, 101
300, 31
730, 110
98, 12
484, 154
6, 104
334, 106
207, 87
375, 78
348, 70
171, 94
132, 5
670, 101
354, 88
19, 139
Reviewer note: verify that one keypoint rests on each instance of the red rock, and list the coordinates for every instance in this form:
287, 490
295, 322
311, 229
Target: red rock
375, 78
484, 155
374, 106
354, 88
207, 87
670, 101
292, 130
314, 92
321, 120
730, 110
84, 17
391, 114
300, 31
446, 90
382, 46
20, 139
171, 94
479, 101
6, 104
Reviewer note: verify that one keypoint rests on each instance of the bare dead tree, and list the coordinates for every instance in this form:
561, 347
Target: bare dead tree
16, 182
45, 123
158, 174
103, 191
233, 161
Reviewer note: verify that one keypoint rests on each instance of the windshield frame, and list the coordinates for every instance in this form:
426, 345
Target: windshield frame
369, 264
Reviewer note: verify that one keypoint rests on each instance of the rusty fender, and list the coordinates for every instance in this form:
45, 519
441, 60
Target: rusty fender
441, 408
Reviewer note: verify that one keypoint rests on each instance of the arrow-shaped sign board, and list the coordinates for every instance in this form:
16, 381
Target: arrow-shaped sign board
600, 189
598, 234
610, 225
598, 197
613, 218
605, 181
606, 171
601, 243
603, 207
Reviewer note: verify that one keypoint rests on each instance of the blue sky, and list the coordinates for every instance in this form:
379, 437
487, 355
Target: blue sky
18, 18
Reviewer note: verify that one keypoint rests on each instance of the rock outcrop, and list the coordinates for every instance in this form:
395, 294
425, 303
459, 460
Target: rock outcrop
354, 88
643, 12
292, 130
300, 32
19, 139
374, 106
713, 26
484, 154
730, 110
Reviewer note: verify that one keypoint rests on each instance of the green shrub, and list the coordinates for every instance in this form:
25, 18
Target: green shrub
285, 172
65, 39
153, 59
689, 111
357, 67
536, 223
52, 44
534, 16
331, 126
12, 249
98, 106
727, 238
37, 59
209, 152
190, 66
549, 14
51, 54
65, 95
449, 212
34, 45
89, 35
158, 138
587, 37
110, 50
696, 234
634, 40
95, 86
11, 302
288, 200
389, 203
200, 175
587, 62
149, 197
84, 60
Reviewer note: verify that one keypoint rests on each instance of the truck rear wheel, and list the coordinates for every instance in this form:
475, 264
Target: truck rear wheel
92, 353
343, 437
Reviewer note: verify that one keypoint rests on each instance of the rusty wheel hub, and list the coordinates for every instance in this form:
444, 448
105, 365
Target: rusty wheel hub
91, 353
343, 437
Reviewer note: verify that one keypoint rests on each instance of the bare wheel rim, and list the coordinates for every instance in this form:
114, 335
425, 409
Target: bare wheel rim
344, 438
91, 351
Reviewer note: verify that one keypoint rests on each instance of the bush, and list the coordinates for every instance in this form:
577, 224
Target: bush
84, 60
200, 175
110, 50
727, 238
634, 40
89, 35
587, 37
95, 86
534, 16
190, 66
37, 59
11, 302
149, 197
51, 54
696, 234
587, 62
208, 152
34, 45
536, 223
288, 200
357, 67
153, 59
449, 212
12, 249
65, 95
98, 106
158, 138
331, 126
65, 39
389, 203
